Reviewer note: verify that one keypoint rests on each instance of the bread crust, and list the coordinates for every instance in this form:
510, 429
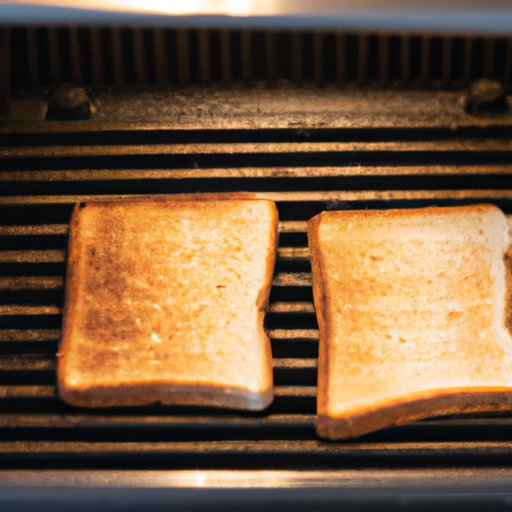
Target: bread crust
369, 413
136, 394
80, 386
323, 302
415, 406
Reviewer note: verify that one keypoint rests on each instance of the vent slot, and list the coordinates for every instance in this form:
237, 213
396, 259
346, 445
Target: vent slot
48, 56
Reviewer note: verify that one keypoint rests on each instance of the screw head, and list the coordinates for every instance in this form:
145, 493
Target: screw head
486, 97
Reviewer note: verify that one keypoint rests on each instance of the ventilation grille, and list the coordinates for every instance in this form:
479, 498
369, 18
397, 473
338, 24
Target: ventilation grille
135, 56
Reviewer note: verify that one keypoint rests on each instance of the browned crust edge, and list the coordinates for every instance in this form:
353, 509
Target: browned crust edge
71, 288
416, 406
165, 393
507, 261
321, 298
406, 212
135, 395
263, 298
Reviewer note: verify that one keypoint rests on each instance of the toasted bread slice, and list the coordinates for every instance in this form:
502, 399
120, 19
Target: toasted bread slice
165, 303
412, 311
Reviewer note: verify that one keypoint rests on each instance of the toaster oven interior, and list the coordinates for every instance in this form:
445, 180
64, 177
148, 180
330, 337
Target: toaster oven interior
313, 120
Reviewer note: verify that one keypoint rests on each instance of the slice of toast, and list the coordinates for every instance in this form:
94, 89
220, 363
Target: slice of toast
413, 315
165, 302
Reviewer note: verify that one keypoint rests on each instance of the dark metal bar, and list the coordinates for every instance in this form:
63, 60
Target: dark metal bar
489, 57
468, 59
297, 58
231, 489
28, 362
432, 145
275, 307
54, 56
31, 283
32, 56
447, 64
33, 256
204, 55
226, 59
405, 59
62, 229
20, 335
508, 64
425, 61
152, 421
318, 57
160, 51
246, 176
117, 56
362, 59
340, 59
96, 56
5, 63
270, 57
57, 282
72, 420
421, 110
202, 421
33, 310
246, 52
292, 279
36, 229
384, 59
75, 57
138, 56
474, 195
305, 448
290, 307
183, 55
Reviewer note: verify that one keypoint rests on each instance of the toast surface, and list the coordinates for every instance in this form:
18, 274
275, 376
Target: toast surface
165, 303
412, 312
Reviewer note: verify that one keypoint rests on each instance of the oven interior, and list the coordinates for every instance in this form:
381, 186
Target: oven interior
313, 120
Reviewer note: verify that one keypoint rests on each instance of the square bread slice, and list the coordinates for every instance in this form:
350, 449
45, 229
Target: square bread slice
165, 302
413, 315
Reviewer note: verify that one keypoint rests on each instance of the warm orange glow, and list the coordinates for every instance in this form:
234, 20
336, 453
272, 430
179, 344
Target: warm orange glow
231, 7
181, 7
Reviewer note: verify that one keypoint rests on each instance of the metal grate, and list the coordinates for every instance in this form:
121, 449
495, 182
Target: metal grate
45, 172
103, 56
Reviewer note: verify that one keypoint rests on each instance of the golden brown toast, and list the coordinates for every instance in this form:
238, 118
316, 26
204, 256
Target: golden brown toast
412, 311
165, 303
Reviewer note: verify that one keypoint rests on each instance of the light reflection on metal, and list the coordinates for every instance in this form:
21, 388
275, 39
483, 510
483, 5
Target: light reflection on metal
180, 7
411, 479
268, 7
440, 16
229, 7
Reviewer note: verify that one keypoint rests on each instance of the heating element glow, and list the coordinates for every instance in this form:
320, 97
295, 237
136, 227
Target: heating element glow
167, 7
433, 16
230, 7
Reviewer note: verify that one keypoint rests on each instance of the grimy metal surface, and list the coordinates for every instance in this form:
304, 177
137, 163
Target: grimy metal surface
359, 163
246, 116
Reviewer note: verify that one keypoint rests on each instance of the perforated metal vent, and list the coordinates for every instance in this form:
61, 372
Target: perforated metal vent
135, 56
